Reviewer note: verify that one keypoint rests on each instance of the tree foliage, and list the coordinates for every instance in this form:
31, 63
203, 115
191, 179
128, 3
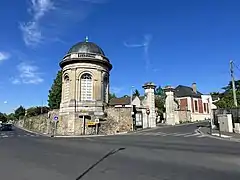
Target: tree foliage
111, 95
160, 100
136, 93
55, 93
19, 112
3, 117
11, 116
159, 91
35, 111
226, 98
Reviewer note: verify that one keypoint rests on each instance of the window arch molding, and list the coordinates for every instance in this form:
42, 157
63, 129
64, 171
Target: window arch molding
66, 87
84, 72
65, 75
86, 80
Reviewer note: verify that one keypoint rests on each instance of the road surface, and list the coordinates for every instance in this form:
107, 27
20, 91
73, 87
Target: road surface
169, 153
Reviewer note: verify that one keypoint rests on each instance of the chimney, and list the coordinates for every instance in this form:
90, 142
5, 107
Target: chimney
194, 87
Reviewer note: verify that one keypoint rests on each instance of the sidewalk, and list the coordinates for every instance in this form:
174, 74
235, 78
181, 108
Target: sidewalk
223, 135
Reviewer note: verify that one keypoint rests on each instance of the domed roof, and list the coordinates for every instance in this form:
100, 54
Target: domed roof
86, 47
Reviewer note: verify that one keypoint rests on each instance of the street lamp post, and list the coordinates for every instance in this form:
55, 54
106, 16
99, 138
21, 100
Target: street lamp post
131, 96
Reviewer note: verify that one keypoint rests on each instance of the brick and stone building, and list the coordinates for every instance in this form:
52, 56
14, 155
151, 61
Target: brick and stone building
185, 103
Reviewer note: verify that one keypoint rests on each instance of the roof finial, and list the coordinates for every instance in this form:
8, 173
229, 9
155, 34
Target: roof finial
86, 39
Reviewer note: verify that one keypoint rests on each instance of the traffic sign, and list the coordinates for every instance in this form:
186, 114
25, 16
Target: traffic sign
148, 111
96, 120
91, 123
55, 118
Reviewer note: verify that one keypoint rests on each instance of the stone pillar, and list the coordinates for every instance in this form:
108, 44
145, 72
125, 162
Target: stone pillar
150, 103
170, 108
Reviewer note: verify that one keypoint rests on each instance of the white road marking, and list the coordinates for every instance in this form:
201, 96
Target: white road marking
182, 134
166, 134
201, 136
161, 134
191, 135
5, 136
222, 135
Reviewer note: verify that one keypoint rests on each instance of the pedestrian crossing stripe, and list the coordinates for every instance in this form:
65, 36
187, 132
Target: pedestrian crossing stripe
196, 134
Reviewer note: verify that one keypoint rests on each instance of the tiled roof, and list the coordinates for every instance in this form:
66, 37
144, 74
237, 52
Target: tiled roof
185, 91
120, 101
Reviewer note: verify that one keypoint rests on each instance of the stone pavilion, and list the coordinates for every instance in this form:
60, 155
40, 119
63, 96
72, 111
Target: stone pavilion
85, 86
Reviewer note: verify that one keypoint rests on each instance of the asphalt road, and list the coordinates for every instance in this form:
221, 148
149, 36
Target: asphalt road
145, 156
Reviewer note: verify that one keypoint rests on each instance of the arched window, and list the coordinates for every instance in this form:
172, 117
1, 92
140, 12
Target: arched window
105, 89
66, 88
86, 87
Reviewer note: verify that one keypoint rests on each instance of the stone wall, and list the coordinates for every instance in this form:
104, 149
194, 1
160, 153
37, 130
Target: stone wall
118, 120
36, 123
182, 116
42, 124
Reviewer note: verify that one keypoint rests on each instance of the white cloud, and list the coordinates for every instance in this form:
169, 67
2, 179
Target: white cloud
61, 15
4, 56
28, 74
5, 102
31, 33
145, 44
31, 30
16, 81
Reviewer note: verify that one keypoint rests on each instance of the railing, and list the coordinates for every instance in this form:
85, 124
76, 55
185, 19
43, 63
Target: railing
85, 55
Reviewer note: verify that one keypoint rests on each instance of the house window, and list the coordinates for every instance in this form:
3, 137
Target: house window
205, 107
66, 88
196, 105
86, 87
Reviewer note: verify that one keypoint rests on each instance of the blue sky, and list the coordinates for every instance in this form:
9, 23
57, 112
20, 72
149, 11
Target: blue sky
168, 42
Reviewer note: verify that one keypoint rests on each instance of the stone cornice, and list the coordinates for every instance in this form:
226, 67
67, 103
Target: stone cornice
84, 57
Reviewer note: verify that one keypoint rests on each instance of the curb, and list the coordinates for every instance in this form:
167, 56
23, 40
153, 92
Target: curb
70, 136
183, 124
87, 136
32, 131
219, 138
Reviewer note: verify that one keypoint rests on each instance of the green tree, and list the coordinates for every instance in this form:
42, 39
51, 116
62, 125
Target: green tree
160, 104
55, 94
19, 112
160, 100
228, 88
11, 116
136, 93
111, 95
226, 98
3, 117
159, 91
35, 111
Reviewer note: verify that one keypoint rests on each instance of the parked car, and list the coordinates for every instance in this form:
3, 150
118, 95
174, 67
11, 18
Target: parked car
6, 127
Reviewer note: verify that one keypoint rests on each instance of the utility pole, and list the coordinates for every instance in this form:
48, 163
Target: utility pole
233, 84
